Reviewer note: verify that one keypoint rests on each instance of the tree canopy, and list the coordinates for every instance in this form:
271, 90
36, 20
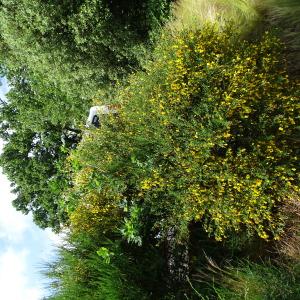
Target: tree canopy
58, 56
36, 145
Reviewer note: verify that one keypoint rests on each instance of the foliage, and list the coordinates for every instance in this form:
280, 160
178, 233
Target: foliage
131, 226
78, 46
105, 254
288, 247
33, 168
79, 272
252, 17
97, 207
204, 135
37, 141
252, 281
204, 147
196, 13
57, 56
284, 16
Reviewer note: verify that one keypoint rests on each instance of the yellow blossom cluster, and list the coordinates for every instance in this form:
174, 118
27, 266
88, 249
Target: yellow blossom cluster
226, 112
207, 133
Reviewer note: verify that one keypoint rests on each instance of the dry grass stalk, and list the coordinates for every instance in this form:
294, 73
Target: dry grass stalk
194, 13
289, 245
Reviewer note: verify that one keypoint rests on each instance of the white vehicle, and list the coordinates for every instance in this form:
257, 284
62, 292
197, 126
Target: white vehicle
94, 118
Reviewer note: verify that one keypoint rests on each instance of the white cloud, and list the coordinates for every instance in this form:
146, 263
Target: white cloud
13, 277
51, 243
56, 239
12, 223
4, 88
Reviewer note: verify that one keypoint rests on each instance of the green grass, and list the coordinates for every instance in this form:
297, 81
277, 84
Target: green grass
246, 280
253, 281
79, 273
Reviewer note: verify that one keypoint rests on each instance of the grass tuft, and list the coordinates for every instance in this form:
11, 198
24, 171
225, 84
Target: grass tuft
189, 14
251, 17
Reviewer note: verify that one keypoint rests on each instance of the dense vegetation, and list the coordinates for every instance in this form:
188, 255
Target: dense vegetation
57, 57
192, 190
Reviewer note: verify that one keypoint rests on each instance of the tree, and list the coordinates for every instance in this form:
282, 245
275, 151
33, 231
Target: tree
37, 143
79, 45
58, 55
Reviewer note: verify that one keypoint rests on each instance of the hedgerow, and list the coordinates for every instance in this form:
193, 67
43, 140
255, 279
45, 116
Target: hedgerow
205, 135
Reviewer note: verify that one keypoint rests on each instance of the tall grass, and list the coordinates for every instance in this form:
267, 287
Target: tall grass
288, 247
79, 273
248, 280
284, 15
251, 16
189, 14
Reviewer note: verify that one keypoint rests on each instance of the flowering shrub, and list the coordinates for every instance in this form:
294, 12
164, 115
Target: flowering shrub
206, 134
97, 206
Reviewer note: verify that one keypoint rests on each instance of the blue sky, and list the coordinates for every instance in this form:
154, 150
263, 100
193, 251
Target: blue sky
24, 247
